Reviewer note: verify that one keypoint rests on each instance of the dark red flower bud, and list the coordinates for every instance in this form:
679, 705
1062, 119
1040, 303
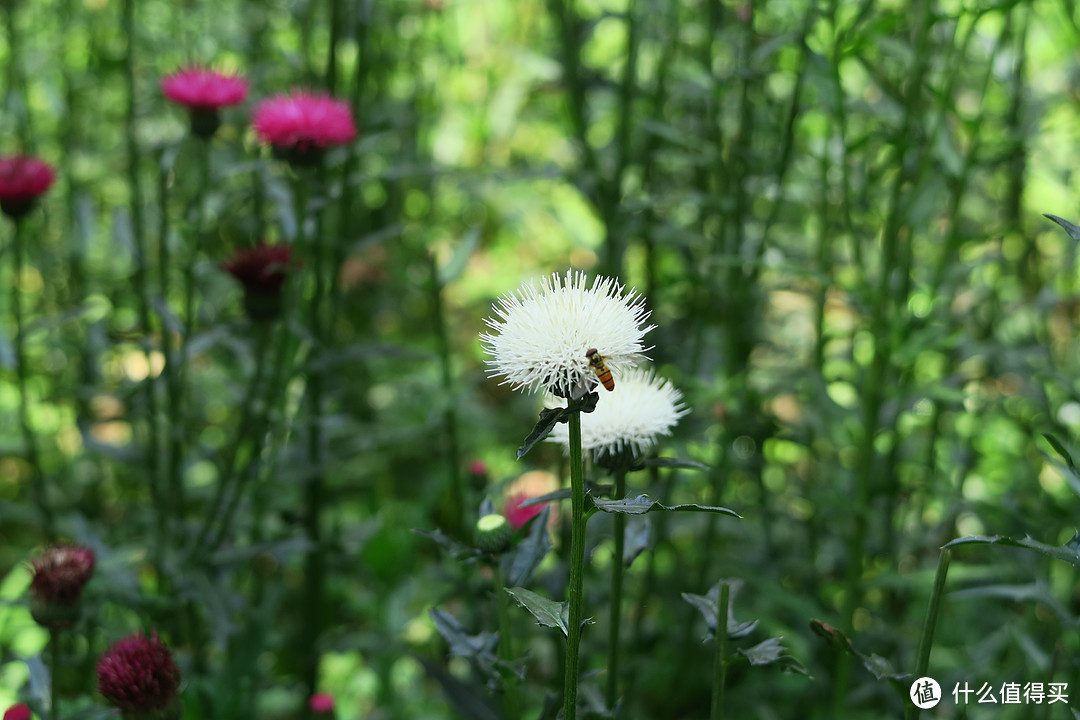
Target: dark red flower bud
262, 271
138, 676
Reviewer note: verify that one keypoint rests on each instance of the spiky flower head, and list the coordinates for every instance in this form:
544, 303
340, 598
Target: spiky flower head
59, 575
640, 409
138, 676
301, 125
204, 92
22, 181
540, 336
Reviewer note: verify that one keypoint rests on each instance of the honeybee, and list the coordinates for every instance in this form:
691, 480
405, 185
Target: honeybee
596, 362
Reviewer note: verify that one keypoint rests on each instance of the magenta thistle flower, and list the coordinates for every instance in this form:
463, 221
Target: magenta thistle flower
204, 92
261, 270
197, 87
18, 712
321, 703
138, 675
516, 515
22, 181
301, 125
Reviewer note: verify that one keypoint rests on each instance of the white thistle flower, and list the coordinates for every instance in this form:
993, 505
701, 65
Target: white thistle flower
631, 417
539, 337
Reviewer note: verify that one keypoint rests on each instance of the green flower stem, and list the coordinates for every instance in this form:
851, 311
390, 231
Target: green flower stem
577, 567
138, 231
926, 642
246, 429
457, 493
54, 669
16, 82
22, 369
615, 620
720, 640
315, 564
179, 381
512, 702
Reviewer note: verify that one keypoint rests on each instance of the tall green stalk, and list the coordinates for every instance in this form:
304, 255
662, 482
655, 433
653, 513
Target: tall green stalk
315, 564
719, 671
138, 231
454, 515
615, 615
512, 702
178, 380
22, 370
927, 640
54, 668
577, 567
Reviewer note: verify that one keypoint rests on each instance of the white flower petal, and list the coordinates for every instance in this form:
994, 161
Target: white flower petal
641, 408
539, 337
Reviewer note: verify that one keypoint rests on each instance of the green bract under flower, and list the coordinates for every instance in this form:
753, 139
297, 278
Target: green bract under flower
540, 336
640, 409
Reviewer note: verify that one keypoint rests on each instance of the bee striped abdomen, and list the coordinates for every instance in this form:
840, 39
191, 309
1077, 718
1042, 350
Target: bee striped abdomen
596, 362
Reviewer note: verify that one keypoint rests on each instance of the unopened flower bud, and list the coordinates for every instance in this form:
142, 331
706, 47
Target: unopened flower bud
493, 534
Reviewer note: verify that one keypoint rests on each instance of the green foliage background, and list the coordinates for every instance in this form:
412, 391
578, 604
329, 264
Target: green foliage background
832, 208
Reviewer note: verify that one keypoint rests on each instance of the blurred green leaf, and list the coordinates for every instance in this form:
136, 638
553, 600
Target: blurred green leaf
707, 605
769, 652
1072, 230
452, 270
878, 666
527, 555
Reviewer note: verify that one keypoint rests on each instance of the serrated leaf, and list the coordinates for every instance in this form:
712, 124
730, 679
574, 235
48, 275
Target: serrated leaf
464, 698
547, 612
456, 549
520, 565
707, 605
1072, 230
674, 463
771, 652
643, 504
881, 668
548, 418
564, 494
878, 666
1069, 552
461, 643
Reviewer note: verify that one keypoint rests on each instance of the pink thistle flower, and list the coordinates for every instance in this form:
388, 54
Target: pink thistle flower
516, 515
22, 181
204, 89
261, 270
321, 703
204, 92
299, 126
18, 712
138, 675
